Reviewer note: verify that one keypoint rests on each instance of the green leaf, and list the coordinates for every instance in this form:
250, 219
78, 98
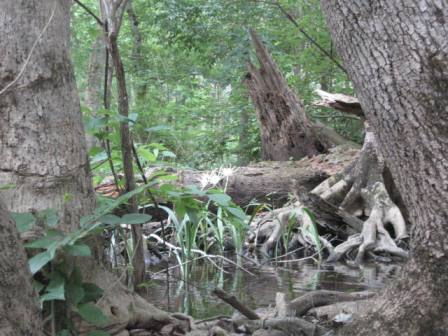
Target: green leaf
91, 292
111, 220
38, 286
220, 199
50, 216
64, 332
98, 333
169, 154
75, 293
237, 212
24, 221
40, 260
55, 289
78, 250
44, 243
7, 186
136, 218
92, 314
147, 155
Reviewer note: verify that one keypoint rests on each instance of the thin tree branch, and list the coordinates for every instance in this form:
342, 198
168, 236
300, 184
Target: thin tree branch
97, 19
313, 41
295, 23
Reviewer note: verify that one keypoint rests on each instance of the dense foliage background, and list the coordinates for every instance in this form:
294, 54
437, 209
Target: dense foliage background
185, 62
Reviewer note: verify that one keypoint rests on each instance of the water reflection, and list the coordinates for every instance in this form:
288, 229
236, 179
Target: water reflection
190, 293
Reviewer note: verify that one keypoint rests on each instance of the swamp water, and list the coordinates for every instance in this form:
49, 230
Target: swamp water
192, 293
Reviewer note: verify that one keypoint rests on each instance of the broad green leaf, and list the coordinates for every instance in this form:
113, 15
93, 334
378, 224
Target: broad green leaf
75, 293
78, 250
111, 220
37, 285
147, 155
55, 289
92, 314
136, 218
220, 199
40, 260
24, 221
91, 292
44, 243
237, 212
50, 216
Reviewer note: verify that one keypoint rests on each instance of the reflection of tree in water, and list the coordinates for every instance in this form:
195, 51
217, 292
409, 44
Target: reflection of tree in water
192, 295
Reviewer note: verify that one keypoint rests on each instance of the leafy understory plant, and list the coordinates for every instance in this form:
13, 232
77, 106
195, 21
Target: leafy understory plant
56, 278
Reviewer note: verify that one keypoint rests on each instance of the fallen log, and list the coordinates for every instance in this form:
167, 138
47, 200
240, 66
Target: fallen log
267, 181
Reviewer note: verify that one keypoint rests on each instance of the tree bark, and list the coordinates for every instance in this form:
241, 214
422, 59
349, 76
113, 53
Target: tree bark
40, 119
285, 129
397, 56
44, 152
19, 313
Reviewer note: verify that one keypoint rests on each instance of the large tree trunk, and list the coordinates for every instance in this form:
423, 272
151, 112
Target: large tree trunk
41, 131
44, 152
19, 314
285, 129
397, 56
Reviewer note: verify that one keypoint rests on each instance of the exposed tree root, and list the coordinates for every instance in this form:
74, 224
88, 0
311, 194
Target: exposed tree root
360, 191
126, 310
291, 221
301, 305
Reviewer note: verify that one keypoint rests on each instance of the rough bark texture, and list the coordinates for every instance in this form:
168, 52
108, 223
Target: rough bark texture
285, 129
44, 153
400, 47
40, 120
19, 314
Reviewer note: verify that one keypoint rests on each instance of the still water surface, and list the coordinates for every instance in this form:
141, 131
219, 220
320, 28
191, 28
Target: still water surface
191, 293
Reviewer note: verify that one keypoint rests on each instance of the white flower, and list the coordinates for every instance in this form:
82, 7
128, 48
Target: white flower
227, 172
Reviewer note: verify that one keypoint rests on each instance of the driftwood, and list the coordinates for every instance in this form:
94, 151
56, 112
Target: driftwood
233, 301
